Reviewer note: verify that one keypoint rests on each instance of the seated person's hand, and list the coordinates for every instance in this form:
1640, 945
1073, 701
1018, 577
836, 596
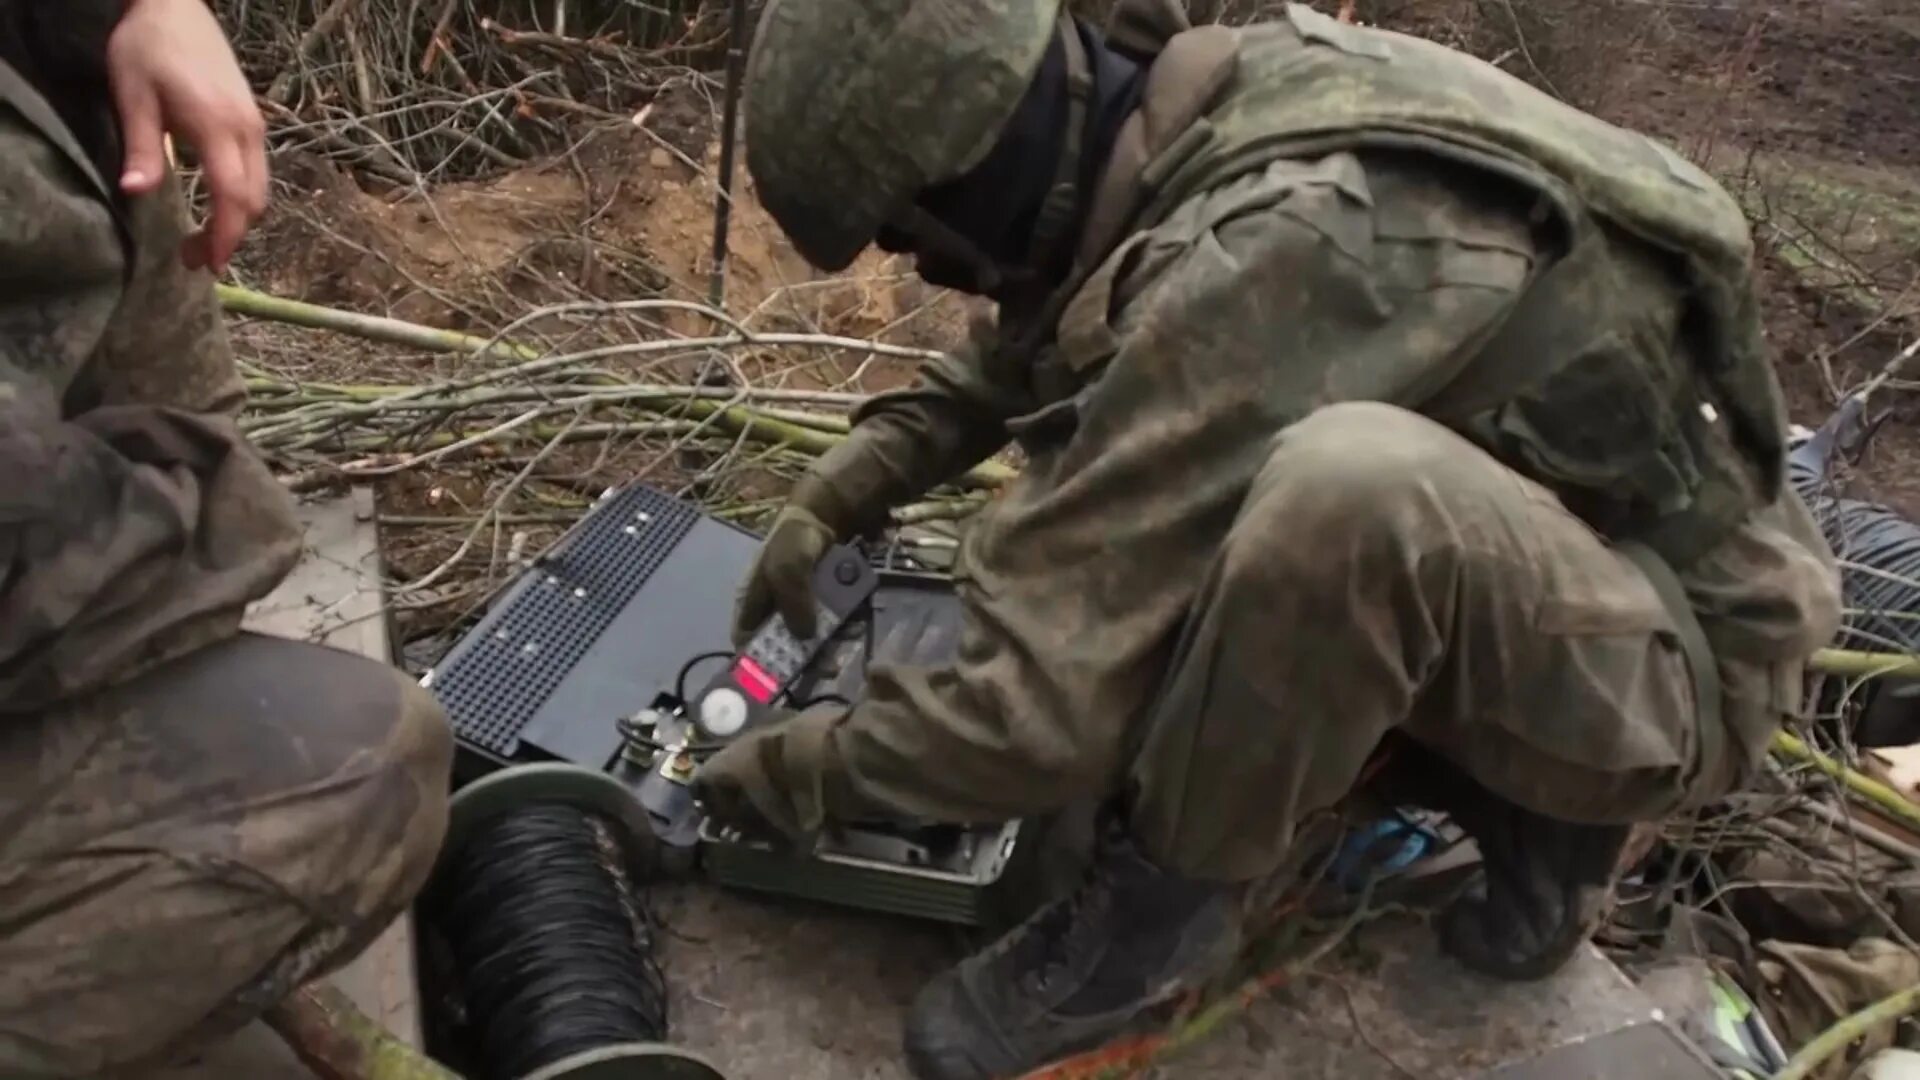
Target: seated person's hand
173, 72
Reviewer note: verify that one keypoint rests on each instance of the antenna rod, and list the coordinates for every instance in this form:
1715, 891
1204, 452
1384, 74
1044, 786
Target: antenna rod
723, 210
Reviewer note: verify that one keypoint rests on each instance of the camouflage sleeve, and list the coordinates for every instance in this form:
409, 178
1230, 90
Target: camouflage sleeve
131, 530
905, 442
167, 343
1249, 308
107, 537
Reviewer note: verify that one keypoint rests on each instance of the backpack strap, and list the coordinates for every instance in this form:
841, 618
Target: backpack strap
1168, 125
1701, 665
1063, 197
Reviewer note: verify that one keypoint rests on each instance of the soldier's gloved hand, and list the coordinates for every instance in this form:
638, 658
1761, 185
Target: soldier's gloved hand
781, 578
815, 518
734, 785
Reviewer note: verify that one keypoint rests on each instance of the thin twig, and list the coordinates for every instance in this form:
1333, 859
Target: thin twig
512, 486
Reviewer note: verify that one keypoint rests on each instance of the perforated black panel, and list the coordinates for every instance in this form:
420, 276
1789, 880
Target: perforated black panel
511, 663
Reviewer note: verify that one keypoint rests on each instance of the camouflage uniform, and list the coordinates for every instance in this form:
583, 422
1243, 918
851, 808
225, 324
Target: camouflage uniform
1298, 475
197, 820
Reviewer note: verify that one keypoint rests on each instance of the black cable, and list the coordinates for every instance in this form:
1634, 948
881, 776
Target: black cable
552, 951
866, 656
819, 699
680, 680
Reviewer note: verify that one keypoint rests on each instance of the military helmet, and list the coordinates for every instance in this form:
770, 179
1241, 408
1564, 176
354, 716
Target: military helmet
852, 107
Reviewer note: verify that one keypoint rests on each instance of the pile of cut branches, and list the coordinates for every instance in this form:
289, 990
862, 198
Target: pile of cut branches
416, 91
517, 443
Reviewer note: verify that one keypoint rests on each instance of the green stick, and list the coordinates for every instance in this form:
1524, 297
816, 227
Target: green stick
338, 1042
1869, 790
1837, 1038
260, 305
754, 424
1852, 664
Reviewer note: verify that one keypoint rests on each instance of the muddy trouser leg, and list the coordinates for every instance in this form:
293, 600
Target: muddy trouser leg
181, 851
1384, 574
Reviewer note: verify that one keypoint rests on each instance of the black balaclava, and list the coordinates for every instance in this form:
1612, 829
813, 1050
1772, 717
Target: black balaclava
995, 206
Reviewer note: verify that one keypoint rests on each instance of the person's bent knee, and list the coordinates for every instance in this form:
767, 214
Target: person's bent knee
369, 761
423, 751
372, 838
1366, 450
403, 772
236, 823
1368, 468
1366, 490
339, 790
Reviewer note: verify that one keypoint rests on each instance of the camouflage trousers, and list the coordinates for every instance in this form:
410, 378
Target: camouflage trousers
184, 849
1384, 574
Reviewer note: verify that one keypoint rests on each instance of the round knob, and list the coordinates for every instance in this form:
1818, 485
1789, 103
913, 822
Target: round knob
847, 572
723, 713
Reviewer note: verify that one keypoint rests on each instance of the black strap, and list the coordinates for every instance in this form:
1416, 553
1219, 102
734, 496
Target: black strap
1063, 198
1701, 663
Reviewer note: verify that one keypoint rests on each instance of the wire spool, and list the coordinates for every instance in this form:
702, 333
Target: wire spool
545, 947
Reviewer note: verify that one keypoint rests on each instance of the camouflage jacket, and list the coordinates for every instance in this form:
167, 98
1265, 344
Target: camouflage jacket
1146, 413
135, 521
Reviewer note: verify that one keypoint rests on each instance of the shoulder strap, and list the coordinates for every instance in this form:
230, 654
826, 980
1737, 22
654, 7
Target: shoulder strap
1063, 197
1169, 124
1701, 665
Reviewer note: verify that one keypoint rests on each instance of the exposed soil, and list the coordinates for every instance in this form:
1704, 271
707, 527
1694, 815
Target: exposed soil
627, 215
1834, 79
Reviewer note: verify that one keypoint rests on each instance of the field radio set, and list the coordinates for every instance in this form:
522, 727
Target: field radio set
612, 652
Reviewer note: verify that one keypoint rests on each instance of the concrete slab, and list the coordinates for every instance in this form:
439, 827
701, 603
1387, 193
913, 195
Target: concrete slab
1389, 1006
1643, 1050
771, 989
333, 597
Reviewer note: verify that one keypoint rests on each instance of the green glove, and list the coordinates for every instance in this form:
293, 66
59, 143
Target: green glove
782, 575
785, 778
781, 579
723, 796
741, 786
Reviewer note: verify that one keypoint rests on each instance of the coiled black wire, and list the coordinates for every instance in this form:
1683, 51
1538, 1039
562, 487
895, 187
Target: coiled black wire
552, 950
1880, 548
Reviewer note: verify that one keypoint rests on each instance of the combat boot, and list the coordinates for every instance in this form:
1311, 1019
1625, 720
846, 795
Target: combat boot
1544, 883
1544, 892
1131, 936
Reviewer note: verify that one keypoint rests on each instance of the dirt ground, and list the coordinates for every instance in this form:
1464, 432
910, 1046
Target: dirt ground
628, 214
